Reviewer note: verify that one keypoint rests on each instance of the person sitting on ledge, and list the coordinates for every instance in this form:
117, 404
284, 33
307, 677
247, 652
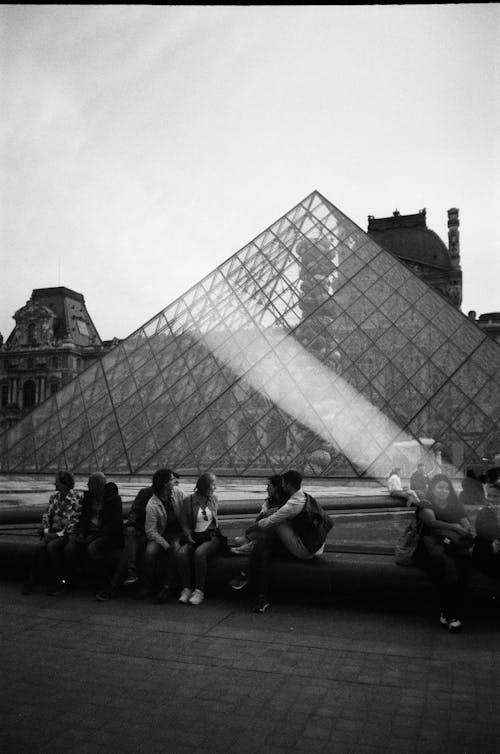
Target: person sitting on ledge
397, 490
202, 539
486, 552
58, 523
163, 533
276, 497
99, 532
278, 534
445, 548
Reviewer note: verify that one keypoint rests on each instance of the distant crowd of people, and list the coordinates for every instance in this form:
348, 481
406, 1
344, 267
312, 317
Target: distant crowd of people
167, 538
450, 544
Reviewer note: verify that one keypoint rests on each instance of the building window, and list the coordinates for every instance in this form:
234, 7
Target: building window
5, 395
53, 388
29, 394
30, 363
55, 362
31, 334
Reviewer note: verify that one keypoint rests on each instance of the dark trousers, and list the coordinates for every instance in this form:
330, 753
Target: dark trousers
485, 560
96, 554
450, 573
267, 546
48, 561
192, 562
135, 543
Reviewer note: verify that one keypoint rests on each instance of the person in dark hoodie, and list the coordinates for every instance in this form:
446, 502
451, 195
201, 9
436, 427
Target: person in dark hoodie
99, 532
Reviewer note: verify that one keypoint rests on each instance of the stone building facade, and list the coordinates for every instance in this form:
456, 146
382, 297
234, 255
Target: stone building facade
53, 340
422, 250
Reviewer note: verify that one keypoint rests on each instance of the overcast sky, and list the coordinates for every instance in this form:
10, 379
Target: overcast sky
143, 146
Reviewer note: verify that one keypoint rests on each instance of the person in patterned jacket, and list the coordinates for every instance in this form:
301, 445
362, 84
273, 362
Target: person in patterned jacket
58, 524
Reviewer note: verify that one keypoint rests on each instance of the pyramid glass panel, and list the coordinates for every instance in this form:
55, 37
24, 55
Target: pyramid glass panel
312, 346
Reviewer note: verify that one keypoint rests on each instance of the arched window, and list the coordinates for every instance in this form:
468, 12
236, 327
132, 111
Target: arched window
29, 394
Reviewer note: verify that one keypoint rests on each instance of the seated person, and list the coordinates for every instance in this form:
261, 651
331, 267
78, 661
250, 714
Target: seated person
397, 490
486, 552
163, 532
99, 532
278, 534
445, 548
58, 524
472, 490
202, 539
419, 481
274, 500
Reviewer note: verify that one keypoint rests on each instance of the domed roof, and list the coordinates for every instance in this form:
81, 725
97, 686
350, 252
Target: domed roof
408, 237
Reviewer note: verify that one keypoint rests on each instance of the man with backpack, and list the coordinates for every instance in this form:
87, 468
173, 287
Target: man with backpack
299, 528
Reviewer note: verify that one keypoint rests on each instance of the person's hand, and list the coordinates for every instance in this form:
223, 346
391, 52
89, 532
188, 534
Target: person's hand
461, 530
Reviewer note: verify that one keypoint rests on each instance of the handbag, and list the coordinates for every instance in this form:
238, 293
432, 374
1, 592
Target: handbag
457, 544
404, 552
312, 524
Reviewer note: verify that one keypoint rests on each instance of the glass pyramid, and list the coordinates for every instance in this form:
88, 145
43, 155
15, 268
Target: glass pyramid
312, 347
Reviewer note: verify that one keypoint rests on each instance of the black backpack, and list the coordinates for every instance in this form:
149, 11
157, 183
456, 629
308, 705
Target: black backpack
312, 524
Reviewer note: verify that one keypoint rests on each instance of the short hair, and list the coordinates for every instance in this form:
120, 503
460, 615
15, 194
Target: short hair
276, 480
66, 478
160, 478
293, 478
203, 484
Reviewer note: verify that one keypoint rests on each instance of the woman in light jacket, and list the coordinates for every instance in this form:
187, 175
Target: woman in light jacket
202, 539
163, 532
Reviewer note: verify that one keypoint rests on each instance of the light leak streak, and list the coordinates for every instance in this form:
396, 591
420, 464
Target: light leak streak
273, 362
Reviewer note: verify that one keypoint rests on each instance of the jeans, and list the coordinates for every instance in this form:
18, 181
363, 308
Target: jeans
96, 552
159, 566
135, 543
191, 558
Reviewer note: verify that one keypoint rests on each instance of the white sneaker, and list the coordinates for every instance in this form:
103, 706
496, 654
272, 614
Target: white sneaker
454, 624
185, 595
197, 597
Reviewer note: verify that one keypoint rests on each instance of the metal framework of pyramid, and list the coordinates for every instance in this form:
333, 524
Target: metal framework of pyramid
198, 387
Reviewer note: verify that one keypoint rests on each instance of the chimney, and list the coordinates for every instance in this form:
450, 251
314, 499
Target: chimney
454, 238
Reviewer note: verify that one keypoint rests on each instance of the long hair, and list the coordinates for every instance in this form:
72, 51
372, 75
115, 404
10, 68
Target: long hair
203, 484
452, 495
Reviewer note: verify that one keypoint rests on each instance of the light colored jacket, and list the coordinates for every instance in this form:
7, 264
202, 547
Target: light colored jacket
157, 518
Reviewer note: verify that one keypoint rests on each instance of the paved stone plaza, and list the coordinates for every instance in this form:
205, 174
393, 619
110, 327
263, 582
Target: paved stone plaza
83, 676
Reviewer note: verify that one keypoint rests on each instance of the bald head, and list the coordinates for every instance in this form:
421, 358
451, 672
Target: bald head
96, 483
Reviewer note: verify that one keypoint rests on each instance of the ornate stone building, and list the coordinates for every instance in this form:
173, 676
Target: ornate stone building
422, 250
53, 340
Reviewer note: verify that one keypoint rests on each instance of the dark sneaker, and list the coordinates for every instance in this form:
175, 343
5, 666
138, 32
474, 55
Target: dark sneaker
143, 594
262, 604
164, 595
239, 582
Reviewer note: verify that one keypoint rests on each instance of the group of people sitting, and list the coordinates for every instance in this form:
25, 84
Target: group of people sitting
166, 541
450, 544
